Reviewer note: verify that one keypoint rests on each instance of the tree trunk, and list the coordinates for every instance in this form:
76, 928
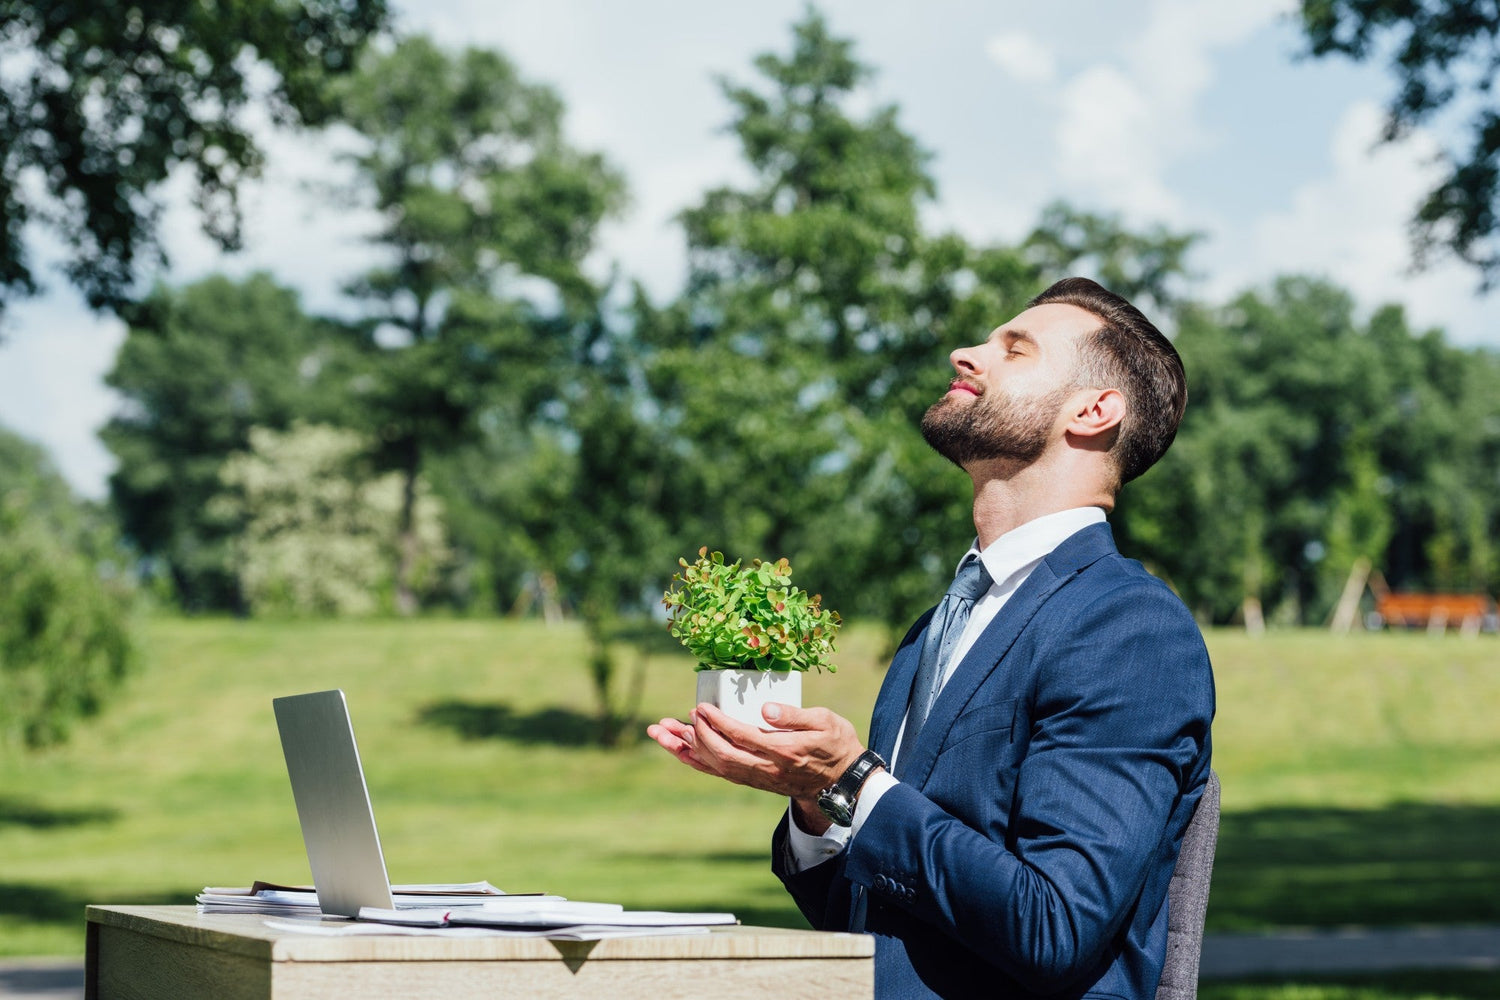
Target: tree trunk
406, 532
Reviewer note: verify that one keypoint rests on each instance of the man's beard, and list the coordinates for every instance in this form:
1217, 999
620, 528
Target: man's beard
992, 427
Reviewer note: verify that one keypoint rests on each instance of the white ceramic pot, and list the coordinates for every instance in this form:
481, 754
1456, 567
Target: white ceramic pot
740, 694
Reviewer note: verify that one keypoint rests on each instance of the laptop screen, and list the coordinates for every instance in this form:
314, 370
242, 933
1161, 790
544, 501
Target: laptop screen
333, 803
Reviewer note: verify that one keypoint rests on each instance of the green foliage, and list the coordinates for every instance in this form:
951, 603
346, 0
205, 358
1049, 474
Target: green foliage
487, 216
65, 632
580, 442
30, 483
1443, 56
1312, 440
104, 99
737, 617
199, 367
319, 528
1148, 268
812, 335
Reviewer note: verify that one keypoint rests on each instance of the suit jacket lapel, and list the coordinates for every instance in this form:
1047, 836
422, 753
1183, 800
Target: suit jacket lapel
1075, 553
895, 690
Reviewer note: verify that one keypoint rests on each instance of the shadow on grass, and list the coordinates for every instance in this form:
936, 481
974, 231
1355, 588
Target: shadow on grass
1428, 984
24, 812
1404, 864
45, 904
757, 859
563, 727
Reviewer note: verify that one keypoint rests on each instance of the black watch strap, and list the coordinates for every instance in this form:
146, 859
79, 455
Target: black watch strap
837, 801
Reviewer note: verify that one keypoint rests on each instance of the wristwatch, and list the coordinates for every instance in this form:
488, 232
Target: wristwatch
837, 801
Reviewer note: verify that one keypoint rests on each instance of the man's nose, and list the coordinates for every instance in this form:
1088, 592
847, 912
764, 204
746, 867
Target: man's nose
964, 361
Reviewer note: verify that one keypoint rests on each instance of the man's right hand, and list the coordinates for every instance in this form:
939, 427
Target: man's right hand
679, 740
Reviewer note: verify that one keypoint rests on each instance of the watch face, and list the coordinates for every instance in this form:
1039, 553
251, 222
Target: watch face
837, 806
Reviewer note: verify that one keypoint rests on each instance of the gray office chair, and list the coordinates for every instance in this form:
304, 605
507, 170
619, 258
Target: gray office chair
1187, 898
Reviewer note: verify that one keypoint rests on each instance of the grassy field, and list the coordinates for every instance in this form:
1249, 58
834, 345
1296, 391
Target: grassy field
1424, 985
1361, 778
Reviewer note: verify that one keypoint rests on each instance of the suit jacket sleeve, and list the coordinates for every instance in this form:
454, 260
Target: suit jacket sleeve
819, 892
1039, 884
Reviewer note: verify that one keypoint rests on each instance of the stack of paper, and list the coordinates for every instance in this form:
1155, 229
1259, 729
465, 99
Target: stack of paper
551, 918
294, 900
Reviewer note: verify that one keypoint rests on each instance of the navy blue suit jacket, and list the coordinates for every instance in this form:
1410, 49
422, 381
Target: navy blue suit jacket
1027, 850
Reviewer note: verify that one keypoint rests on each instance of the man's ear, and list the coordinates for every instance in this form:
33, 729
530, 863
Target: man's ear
1096, 413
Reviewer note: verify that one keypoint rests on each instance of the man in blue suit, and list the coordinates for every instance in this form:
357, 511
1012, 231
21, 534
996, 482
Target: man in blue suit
1046, 726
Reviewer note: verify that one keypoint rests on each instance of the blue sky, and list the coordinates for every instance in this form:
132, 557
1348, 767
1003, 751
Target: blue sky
1192, 113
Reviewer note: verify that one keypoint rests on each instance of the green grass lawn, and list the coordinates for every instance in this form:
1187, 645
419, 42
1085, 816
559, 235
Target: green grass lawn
1424, 985
1361, 778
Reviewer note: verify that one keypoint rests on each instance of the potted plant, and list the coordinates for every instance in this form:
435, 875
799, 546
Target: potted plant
752, 632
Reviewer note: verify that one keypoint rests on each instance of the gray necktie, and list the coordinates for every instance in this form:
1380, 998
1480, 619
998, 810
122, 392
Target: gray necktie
943, 633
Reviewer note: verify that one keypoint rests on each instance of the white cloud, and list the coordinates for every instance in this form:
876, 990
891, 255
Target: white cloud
294, 226
1027, 59
1123, 123
49, 353
1350, 225
1109, 144
1173, 56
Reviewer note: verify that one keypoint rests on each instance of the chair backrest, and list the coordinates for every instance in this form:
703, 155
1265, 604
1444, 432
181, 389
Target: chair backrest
1187, 898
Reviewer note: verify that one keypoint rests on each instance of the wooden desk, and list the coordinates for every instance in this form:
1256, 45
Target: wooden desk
157, 952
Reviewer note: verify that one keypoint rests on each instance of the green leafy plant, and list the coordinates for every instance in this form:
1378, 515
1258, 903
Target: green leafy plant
737, 617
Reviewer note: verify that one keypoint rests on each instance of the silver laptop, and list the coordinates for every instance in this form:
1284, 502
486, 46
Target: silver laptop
333, 803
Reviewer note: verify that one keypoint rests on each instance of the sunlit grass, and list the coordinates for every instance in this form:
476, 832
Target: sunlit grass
1425, 985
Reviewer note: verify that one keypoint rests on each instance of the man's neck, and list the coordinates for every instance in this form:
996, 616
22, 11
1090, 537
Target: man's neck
1006, 498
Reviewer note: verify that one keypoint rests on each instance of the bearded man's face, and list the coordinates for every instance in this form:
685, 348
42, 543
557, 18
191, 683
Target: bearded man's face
974, 425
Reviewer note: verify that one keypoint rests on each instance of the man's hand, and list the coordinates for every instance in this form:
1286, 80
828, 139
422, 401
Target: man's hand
808, 752
678, 738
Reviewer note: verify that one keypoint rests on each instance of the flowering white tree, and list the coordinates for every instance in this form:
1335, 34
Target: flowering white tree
321, 528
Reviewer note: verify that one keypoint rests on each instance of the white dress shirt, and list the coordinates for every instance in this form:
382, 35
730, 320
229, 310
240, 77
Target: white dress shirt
1009, 560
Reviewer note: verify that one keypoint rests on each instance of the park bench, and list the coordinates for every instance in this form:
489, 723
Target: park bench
1436, 612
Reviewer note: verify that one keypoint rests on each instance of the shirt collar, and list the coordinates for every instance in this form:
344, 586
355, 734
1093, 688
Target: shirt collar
1023, 546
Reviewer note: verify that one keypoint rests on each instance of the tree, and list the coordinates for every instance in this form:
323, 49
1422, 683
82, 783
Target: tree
201, 366
27, 477
623, 525
1312, 440
1444, 56
1148, 268
102, 100
487, 215
810, 264
65, 637
812, 336
319, 529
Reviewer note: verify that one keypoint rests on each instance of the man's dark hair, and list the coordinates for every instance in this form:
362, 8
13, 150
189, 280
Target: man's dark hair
1130, 354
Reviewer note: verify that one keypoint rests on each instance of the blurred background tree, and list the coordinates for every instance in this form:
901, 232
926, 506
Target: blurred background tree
65, 601
580, 439
319, 526
577, 437
103, 99
487, 216
1444, 56
809, 338
200, 366
1312, 440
